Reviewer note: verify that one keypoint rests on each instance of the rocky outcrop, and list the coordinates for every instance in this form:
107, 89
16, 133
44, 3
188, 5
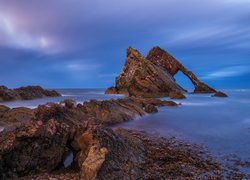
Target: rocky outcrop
39, 138
151, 108
153, 76
141, 78
25, 93
103, 112
106, 154
164, 60
219, 94
38, 146
121, 110
35, 147
13, 118
176, 95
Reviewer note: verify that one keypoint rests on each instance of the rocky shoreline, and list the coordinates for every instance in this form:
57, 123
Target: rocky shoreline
37, 141
25, 93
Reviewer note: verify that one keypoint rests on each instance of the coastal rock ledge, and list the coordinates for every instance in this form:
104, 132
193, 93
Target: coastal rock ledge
37, 147
25, 93
153, 75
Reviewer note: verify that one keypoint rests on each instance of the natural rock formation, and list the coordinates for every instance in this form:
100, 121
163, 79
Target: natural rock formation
219, 94
151, 108
105, 154
12, 118
36, 149
104, 112
99, 153
140, 77
121, 110
25, 93
153, 76
176, 95
163, 59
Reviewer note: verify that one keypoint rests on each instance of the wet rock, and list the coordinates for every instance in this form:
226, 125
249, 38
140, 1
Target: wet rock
111, 90
108, 155
141, 78
62, 113
32, 148
113, 111
176, 95
3, 109
219, 94
69, 103
25, 93
154, 101
39, 146
151, 108
20, 114
121, 110
166, 61
13, 118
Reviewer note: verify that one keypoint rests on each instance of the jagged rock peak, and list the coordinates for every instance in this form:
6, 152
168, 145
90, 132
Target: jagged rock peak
131, 52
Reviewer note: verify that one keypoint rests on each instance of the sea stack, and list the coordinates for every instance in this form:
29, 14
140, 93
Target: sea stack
141, 77
153, 76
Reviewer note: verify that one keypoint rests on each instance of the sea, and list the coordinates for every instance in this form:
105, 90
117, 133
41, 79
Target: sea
219, 125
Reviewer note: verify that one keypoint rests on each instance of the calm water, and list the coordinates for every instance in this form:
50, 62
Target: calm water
79, 95
222, 125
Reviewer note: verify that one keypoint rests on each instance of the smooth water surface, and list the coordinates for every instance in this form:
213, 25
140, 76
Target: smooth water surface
222, 125
79, 95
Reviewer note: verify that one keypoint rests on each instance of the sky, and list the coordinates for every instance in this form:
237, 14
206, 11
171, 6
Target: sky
82, 44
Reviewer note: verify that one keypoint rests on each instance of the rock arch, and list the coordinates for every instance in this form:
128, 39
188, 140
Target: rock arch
166, 61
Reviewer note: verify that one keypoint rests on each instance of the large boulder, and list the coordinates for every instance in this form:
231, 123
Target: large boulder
141, 78
105, 154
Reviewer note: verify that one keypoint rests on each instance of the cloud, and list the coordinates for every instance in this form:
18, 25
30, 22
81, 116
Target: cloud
232, 71
58, 36
13, 36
